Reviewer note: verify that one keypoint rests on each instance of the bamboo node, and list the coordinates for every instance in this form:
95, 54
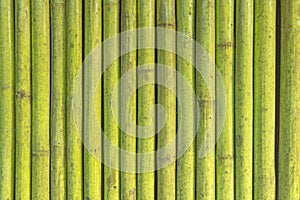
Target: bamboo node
225, 44
164, 25
22, 94
55, 2
40, 153
225, 157
6, 87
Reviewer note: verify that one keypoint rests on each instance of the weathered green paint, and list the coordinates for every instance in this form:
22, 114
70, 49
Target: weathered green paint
289, 139
23, 99
225, 64
128, 62
111, 16
146, 99
185, 164
58, 100
264, 99
244, 99
205, 36
166, 177
74, 61
40, 152
7, 136
92, 135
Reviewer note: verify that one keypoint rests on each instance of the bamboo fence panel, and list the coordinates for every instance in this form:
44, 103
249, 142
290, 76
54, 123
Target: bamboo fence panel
52, 147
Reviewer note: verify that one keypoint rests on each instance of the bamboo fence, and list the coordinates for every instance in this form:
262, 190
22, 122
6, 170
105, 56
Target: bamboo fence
110, 146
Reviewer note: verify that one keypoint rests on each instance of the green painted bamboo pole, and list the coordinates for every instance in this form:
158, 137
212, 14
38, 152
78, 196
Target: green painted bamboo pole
40, 151
205, 36
166, 177
23, 99
58, 100
289, 146
7, 136
111, 10
128, 62
92, 136
146, 99
74, 61
264, 99
244, 99
185, 164
225, 64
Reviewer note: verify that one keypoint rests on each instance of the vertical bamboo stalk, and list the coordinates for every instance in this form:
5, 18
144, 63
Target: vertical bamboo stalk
264, 99
289, 146
40, 99
225, 64
58, 100
7, 136
92, 135
205, 36
166, 177
111, 11
23, 99
74, 60
244, 99
185, 164
128, 62
146, 98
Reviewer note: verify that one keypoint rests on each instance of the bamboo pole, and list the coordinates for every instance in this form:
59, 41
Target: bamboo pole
58, 100
74, 61
146, 99
289, 141
185, 164
205, 36
244, 99
92, 136
23, 99
40, 99
7, 148
166, 177
111, 10
128, 62
225, 64
264, 99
